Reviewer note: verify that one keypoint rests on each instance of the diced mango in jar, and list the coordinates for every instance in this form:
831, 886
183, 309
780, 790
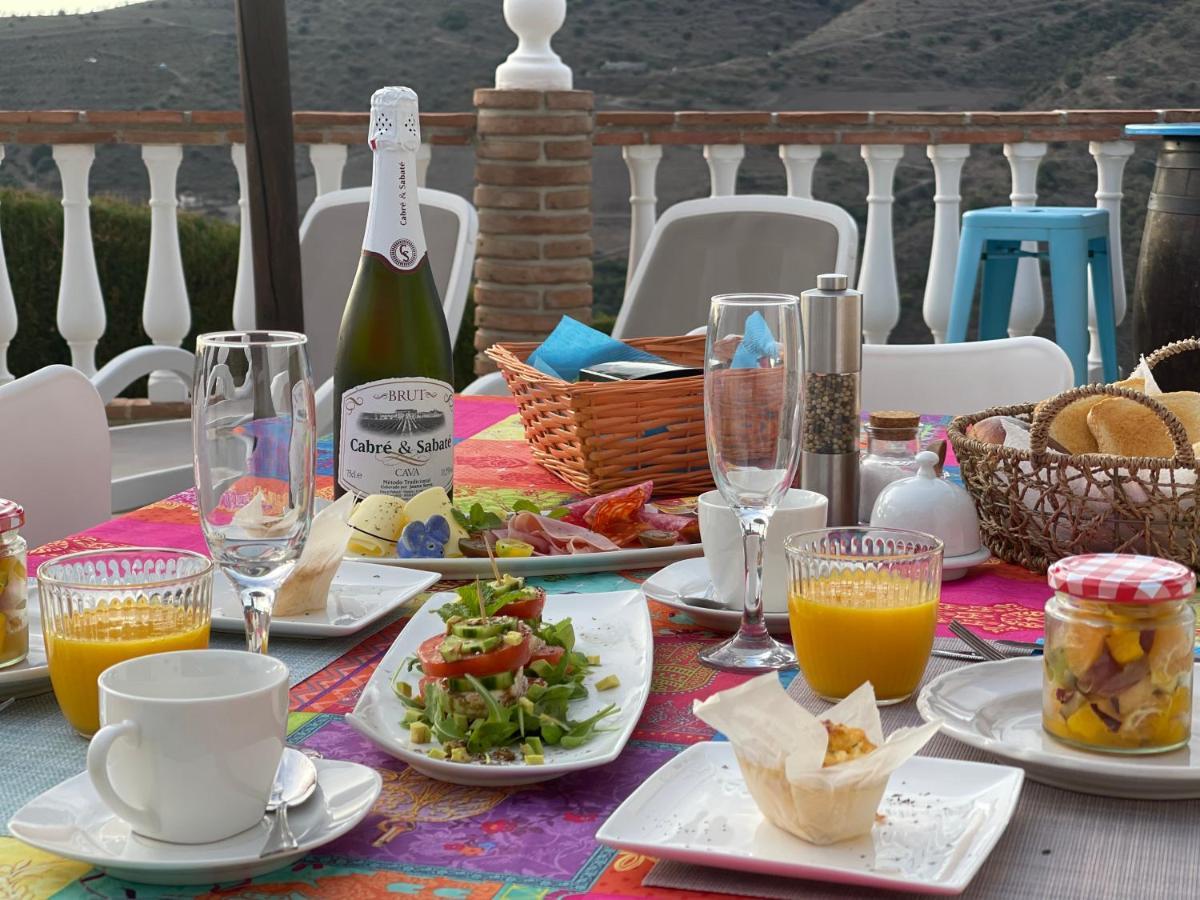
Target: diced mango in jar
1171, 653
1181, 702
1125, 646
1082, 645
1135, 696
3, 632
1086, 725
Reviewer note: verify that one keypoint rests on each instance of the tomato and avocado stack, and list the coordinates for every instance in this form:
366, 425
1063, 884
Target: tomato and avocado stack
499, 677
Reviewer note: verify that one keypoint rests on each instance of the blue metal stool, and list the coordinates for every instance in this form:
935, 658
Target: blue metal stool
1076, 237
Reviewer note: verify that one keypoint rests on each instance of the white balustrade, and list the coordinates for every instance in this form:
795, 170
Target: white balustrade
8, 310
534, 65
80, 315
424, 155
799, 160
723, 162
1110, 157
947, 160
1028, 302
642, 161
243, 291
877, 277
166, 314
328, 162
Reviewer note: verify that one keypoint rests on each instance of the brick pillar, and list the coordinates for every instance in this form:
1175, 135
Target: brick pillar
533, 177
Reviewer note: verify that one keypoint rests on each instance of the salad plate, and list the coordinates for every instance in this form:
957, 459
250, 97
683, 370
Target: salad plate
997, 707
71, 820
528, 566
31, 675
691, 578
360, 595
941, 820
615, 627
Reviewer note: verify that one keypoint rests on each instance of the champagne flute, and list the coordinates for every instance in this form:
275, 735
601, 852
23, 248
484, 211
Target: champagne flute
752, 424
254, 437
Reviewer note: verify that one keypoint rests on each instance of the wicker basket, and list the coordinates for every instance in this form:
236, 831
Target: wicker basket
599, 436
1036, 506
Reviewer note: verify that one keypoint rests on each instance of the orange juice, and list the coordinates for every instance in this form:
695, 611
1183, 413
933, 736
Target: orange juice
877, 628
88, 642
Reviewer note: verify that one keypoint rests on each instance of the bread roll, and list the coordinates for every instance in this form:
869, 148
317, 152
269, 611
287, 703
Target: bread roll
1126, 428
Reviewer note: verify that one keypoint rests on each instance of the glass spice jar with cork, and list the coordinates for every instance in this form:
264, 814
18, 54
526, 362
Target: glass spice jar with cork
892, 447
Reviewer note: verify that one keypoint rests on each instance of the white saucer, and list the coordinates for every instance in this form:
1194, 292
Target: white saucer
31, 675
690, 578
70, 820
942, 819
997, 707
955, 567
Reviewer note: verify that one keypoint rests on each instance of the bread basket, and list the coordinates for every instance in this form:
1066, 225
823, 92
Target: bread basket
1037, 506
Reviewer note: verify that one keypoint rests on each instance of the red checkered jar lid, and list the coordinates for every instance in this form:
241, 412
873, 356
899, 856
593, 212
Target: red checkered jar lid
12, 515
1122, 578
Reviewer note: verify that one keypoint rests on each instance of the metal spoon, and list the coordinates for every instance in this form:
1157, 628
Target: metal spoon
705, 603
984, 648
295, 781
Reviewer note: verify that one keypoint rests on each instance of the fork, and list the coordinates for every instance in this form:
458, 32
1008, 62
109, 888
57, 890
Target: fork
5, 704
984, 648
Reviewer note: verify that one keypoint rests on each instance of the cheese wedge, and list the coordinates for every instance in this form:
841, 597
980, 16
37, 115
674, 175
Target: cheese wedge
377, 522
434, 502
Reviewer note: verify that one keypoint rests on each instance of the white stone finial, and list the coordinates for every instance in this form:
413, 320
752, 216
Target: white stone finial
534, 66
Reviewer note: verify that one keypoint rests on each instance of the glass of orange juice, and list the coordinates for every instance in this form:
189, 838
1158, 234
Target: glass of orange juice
862, 605
100, 607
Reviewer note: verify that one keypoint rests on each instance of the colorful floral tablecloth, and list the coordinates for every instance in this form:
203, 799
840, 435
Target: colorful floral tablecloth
429, 839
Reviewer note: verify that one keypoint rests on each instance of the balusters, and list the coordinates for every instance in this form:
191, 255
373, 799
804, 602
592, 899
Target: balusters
166, 315
877, 277
243, 290
642, 161
424, 155
947, 160
799, 160
328, 162
1110, 157
8, 310
723, 163
1028, 303
80, 315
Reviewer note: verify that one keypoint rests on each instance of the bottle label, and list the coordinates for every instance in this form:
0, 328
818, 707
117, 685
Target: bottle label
394, 231
397, 437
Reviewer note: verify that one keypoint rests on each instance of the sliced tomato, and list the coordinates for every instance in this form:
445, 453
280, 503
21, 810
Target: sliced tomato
525, 609
503, 659
549, 653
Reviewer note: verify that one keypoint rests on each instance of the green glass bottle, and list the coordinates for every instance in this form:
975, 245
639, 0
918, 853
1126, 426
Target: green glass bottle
393, 430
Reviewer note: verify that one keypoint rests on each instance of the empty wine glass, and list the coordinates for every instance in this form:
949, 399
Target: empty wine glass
253, 432
752, 423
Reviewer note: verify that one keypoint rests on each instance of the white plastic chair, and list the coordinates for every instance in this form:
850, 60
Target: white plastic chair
951, 379
744, 243
56, 452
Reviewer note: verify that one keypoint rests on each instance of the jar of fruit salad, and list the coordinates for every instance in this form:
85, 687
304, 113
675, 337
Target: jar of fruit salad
14, 626
1120, 637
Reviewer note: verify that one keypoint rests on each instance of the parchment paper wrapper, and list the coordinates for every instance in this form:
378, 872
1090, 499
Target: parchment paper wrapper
307, 588
780, 747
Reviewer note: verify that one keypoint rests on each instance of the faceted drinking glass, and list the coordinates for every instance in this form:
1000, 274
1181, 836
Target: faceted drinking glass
254, 435
752, 424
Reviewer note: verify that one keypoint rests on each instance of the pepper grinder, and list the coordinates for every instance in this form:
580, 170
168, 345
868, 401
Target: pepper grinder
831, 317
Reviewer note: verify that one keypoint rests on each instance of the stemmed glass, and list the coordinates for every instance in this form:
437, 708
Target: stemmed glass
752, 423
254, 435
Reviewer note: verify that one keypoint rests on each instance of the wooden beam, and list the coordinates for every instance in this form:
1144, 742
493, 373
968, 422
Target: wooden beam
271, 165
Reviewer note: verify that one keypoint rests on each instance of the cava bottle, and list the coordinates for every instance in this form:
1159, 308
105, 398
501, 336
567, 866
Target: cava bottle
393, 429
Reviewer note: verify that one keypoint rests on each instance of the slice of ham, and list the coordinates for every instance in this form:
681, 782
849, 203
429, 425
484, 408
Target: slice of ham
665, 521
555, 537
577, 512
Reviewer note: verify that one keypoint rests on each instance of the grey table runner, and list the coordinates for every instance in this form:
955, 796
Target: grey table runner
1058, 845
40, 749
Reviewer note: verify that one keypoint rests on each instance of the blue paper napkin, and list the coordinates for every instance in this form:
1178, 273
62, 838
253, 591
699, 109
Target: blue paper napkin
757, 343
572, 346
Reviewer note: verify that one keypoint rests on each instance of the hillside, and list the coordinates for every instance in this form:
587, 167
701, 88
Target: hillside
671, 54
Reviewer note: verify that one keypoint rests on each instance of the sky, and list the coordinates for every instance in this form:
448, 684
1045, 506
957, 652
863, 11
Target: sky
51, 7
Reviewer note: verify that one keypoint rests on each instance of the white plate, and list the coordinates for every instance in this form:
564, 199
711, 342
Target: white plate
997, 707
608, 561
690, 578
360, 594
955, 567
70, 820
614, 625
31, 676
943, 819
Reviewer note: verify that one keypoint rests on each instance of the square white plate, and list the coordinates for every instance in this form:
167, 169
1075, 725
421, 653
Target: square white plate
943, 819
616, 626
361, 593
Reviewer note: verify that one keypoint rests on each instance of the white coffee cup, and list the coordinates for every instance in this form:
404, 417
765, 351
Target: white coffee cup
721, 534
190, 742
